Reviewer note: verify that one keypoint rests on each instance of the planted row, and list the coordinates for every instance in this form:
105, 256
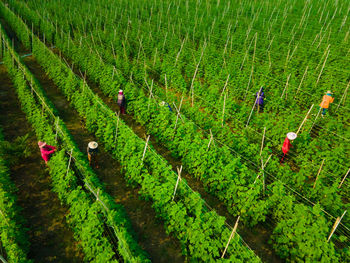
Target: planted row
86, 217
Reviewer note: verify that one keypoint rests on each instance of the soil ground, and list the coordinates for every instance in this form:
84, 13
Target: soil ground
50, 237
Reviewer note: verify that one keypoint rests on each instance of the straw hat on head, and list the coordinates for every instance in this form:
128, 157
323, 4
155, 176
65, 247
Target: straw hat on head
41, 144
291, 136
120, 91
328, 91
93, 145
162, 103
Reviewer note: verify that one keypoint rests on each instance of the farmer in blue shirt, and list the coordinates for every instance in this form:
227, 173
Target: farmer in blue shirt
259, 99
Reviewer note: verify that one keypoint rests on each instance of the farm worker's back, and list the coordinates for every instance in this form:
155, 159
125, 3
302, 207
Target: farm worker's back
286, 146
326, 100
46, 150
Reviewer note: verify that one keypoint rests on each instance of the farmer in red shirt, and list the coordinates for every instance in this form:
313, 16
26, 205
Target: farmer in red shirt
46, 151
287, 144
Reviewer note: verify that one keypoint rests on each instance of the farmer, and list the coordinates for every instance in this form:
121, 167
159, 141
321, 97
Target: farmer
92, 151
163, 103
326, 100
287, 144
46, 151
259, 101
121, 101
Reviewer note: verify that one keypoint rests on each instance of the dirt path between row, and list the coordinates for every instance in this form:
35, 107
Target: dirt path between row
50, 237
150, 231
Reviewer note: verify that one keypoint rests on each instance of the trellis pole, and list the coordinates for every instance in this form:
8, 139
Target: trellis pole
307, 114
262, 141
337, 222
178, 180
286, 86
116, 128
324, 63
178, 112
223, 112
223, 90
231, 236
144, 151
342, 181
195, 73
58, 118
251, 112
301, 82
344, 95
166, 87
318, 113
318, 173
70, 159
2, 259
211, 139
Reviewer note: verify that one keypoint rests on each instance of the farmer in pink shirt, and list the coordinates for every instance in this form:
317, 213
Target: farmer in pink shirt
46, 151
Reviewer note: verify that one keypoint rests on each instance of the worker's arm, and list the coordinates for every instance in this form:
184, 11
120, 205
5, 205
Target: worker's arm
332, 99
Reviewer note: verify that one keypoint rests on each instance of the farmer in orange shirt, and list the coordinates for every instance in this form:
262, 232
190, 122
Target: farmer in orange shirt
326, 100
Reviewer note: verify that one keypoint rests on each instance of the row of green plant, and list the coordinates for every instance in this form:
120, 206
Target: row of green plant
203, 233
13, 236
85, 215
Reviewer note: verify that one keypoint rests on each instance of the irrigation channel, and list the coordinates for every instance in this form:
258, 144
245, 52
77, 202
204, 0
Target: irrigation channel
151, 234
50, 237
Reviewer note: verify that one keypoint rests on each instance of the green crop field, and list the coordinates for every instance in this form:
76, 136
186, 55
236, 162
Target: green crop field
193, 171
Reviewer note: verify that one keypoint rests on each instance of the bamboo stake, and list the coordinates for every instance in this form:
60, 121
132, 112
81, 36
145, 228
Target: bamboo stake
58, 118
231, 236
324, 63
286, 86
195, 73
178, 112
211, 139
166, 87
262, 141
337, 222
307, 114
318, 113
178, 180
116, 128
319, 171
342, 181
223, 112
144, 151
223, 90
344, 94
70, 159
2, 259
178, 54
302, 79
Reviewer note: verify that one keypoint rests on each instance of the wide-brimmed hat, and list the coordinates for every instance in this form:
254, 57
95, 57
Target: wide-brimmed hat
41, 144
330, 92
162, 103
120, 91
291, 136
93, 145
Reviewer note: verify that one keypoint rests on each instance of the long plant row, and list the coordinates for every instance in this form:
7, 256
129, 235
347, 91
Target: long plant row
13, 237
203, 233
85, 214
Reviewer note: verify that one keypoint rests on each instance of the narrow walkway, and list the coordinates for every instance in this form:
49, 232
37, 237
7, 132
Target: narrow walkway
50, 237
151, 233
